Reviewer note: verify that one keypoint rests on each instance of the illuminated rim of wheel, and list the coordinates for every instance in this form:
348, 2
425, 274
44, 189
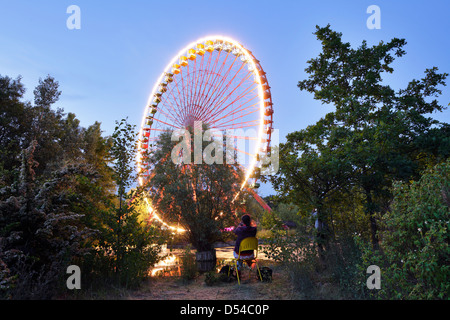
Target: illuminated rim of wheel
184, 75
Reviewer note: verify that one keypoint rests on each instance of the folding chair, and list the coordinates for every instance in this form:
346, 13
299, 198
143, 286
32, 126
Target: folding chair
250, 243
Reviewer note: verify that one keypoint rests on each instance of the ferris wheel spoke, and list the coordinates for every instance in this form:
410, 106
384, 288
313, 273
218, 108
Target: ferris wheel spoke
219, 103
209, 72
237, 137
223, 89
239, 109
197, 87
184, 90
243, 92
241, 151
219, 88
160, 130
190, 80
185, 85
204, 76
226, 122
217, 91
169, 124
181, 95
173, 94
238, 125
234, 111
234, 127
191, 83
162, 111
166, 100
215, 79
224, 107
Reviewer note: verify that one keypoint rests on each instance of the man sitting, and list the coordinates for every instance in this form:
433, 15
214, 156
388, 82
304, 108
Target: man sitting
244, 230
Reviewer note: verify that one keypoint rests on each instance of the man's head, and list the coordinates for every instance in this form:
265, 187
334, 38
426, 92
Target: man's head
246, 219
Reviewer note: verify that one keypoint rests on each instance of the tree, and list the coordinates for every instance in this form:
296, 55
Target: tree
381, 132
96, 153
15, 120
310, 173
200, 197
65, 197
60, 138
129, 241
46, 93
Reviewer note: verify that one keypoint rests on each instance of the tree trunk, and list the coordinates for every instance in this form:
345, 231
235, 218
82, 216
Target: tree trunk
373, 222
374, 230
206, 260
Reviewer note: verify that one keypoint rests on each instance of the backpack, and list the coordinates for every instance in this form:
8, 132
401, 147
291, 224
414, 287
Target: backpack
266, 274
224, 274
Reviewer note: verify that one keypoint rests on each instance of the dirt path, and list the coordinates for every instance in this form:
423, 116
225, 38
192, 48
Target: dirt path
173, 288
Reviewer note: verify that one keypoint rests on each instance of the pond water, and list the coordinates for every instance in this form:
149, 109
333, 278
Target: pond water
171, 264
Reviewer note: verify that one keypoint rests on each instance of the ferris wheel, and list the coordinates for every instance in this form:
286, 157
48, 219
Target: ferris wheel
217, 82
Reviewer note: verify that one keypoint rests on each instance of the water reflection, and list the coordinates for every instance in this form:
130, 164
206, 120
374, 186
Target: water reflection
170, 266
171, 263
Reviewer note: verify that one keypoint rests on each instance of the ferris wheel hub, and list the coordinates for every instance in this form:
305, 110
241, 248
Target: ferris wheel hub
192, 121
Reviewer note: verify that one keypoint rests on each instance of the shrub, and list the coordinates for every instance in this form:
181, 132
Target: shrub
414, 261
212, 278
310, 273
188, 264
298, 255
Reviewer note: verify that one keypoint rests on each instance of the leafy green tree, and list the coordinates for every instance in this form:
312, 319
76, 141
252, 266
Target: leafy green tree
60, 138
15, 120
47, 92
288, 212
64, 197
130, 242
96, 153
46, 127
310, 173
380, 132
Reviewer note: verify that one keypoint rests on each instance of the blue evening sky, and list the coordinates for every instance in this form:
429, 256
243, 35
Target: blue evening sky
107, 68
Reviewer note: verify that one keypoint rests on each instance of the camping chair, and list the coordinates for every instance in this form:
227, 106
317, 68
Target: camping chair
250, 243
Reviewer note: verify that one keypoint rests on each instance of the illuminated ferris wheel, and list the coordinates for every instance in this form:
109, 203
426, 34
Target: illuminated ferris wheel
217, 82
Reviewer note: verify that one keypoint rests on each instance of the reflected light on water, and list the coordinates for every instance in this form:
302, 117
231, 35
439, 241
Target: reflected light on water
165, 265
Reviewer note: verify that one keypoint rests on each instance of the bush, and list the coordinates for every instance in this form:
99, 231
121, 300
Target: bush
212, 278
188, 265
333, 275
342, 260
297, 254
414, 261
270, 221
6, 280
